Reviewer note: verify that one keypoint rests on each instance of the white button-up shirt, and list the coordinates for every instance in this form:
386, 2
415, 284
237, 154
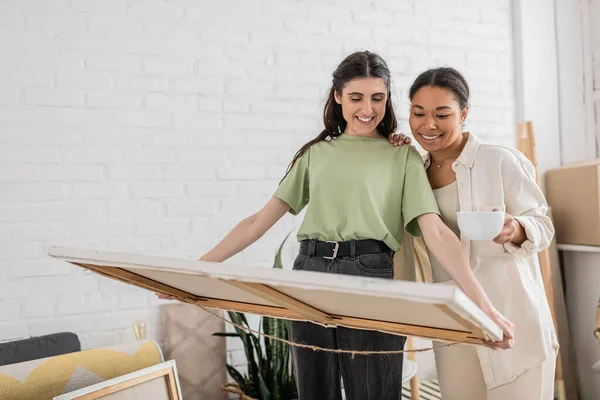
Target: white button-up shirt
491, 176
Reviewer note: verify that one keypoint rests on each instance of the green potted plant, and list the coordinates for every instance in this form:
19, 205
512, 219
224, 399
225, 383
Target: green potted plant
270, 374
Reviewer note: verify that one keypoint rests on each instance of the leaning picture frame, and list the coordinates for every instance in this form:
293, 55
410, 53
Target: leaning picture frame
158, 382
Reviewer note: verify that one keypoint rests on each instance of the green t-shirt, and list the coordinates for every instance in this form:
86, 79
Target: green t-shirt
358, 188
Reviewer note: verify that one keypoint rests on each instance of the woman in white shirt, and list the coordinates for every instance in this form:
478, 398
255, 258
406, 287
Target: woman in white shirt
468, 175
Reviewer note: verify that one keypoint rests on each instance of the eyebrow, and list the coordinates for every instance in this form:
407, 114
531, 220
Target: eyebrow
438, 108
360, 94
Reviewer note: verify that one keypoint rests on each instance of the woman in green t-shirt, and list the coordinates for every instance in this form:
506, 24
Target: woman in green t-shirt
356, 211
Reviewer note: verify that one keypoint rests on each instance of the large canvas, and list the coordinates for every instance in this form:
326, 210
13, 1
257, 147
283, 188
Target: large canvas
432, 311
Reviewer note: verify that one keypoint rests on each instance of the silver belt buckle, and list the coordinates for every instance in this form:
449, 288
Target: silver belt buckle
335, 250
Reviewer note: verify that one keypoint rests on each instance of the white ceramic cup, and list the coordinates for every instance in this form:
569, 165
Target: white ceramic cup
480, 225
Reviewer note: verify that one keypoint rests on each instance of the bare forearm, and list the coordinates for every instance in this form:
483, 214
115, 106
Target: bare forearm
247, 231
446, 248
240, 237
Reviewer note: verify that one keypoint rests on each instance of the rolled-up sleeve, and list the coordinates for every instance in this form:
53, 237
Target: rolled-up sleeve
526, 203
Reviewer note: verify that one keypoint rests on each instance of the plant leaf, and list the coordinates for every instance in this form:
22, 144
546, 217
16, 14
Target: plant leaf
277, 263
268, 361
252, 365
265, 393
236, 375
226, 334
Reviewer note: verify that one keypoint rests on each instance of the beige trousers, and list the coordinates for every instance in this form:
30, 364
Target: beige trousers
461, 378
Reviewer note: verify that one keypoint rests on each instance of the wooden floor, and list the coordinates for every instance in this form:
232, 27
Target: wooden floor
428, 390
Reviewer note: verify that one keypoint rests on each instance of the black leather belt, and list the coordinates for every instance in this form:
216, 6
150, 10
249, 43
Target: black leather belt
331, 250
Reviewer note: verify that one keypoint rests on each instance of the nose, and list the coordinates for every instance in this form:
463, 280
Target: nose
429, 123
367, 108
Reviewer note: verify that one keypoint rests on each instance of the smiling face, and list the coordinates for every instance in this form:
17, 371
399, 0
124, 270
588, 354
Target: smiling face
363, 102
436, 118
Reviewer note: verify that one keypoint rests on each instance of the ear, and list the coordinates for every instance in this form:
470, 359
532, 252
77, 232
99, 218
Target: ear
337, 97
463, 114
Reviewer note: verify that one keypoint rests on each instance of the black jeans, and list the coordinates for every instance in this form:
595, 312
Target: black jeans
365, 377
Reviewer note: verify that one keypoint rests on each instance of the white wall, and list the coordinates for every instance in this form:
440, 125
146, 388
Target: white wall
595, 17
536, 69
576, 141
578, 51
152, 126
595, 42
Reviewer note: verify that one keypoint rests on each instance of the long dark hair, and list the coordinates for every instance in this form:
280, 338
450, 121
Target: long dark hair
362, 64
445, 78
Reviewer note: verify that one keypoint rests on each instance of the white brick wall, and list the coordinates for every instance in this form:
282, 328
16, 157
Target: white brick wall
151, 126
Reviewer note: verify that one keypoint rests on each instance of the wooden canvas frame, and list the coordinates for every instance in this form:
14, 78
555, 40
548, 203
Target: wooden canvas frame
451, 315
166, 370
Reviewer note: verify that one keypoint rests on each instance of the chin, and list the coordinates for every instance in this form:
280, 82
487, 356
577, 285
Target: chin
363, 130
422, 143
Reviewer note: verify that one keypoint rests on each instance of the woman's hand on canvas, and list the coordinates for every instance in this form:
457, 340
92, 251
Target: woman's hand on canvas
399, 139
508, 328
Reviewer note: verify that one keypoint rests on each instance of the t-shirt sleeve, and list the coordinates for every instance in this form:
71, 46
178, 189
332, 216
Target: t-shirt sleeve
417, 196
294, 187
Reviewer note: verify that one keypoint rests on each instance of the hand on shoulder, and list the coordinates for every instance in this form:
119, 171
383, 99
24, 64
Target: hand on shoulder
399, 139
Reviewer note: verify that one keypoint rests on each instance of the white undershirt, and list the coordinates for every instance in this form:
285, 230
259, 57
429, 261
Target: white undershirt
447, 200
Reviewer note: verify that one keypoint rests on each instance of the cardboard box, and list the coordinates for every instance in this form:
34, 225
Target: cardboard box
573, 192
